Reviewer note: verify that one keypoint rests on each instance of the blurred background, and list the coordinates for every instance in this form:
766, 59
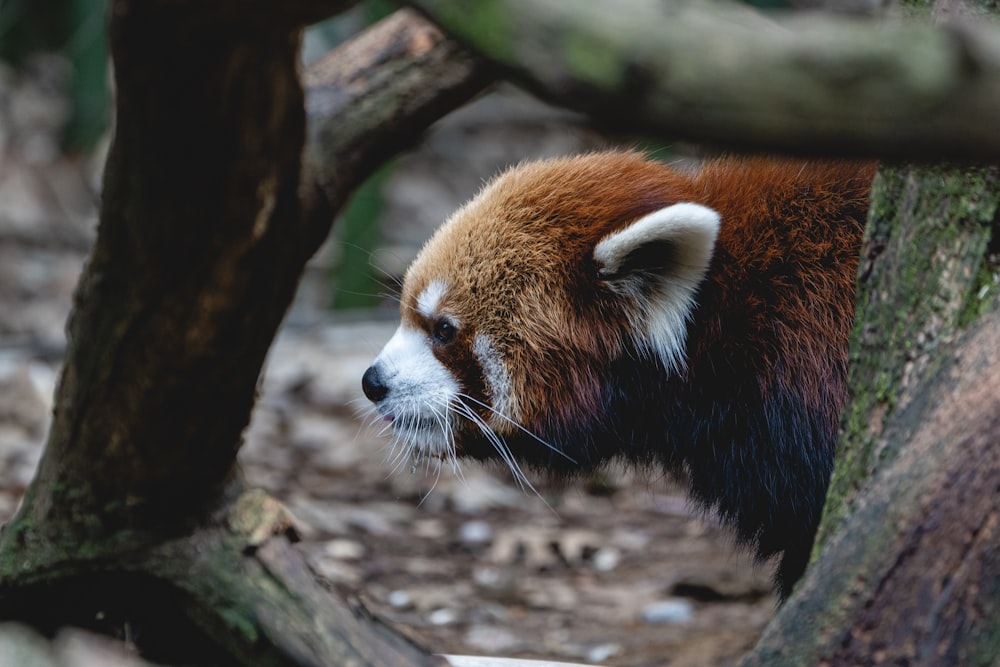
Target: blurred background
616, 569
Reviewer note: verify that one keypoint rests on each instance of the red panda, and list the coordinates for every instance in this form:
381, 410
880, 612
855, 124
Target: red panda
605, 306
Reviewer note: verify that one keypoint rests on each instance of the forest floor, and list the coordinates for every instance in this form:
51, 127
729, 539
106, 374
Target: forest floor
614, 569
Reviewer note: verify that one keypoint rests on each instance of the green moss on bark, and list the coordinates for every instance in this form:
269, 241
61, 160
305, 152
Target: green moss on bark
928, 267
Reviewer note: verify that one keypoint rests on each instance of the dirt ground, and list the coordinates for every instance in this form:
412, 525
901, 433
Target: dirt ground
615, 569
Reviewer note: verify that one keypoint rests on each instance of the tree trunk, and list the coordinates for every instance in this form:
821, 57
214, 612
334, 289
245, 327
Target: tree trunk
908, 565
928, 270
137, 514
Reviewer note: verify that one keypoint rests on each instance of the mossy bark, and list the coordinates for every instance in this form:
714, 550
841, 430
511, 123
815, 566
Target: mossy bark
907, 566
928, 270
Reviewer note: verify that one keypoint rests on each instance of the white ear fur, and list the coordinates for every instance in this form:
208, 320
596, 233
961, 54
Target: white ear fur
689, 229
675, 243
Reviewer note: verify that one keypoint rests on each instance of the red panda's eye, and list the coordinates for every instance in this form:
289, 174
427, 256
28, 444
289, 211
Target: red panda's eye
443, 332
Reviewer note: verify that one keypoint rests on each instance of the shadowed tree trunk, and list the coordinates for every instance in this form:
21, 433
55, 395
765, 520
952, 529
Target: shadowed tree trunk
210, 209
908, 565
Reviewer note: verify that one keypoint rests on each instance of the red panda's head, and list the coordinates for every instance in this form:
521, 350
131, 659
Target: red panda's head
515, 309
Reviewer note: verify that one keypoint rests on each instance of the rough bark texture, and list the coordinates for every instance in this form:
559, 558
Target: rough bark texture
913, 575
209, 213
373, 97
727, 75
928, 269
908, 559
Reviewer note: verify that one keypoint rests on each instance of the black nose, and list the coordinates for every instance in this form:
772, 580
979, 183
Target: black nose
372, 385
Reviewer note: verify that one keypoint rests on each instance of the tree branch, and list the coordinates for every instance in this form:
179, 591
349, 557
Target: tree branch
726, 75
359, 114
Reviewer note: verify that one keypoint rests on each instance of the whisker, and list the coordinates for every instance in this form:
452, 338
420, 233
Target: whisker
372, 295
519, 427
498, 444
443, 447
397, 456
437, 478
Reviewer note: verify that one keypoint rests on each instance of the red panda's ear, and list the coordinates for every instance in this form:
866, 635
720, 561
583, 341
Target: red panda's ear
674, 242
668, 250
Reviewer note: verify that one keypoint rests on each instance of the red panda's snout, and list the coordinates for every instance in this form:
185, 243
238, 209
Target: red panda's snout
606, 306
412, 389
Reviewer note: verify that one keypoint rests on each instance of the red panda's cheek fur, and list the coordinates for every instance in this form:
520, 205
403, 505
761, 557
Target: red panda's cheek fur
458, 356
536, 362
556, 388
518, 264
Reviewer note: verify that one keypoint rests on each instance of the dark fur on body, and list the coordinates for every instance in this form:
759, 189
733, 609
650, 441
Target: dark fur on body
741, 452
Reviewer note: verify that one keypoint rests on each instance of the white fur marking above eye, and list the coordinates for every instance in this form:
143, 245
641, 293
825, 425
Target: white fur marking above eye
427, 302
687, 233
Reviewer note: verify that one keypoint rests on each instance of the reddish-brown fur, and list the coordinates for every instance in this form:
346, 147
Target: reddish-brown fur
786, 221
